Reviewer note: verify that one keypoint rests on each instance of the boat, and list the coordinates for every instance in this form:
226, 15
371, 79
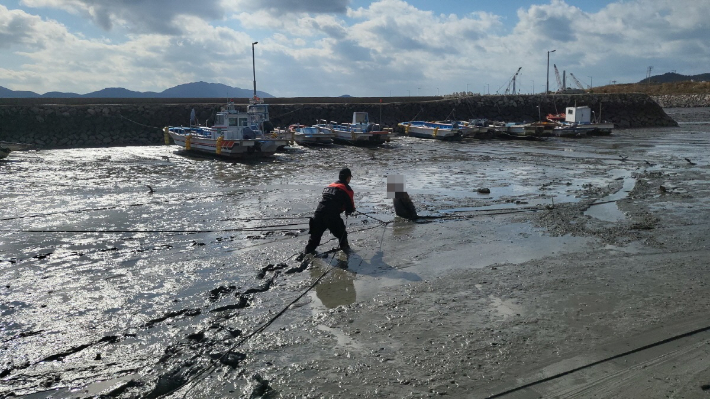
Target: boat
432, 130
578, 123
310, 135
235, 133
359, 132
7, 147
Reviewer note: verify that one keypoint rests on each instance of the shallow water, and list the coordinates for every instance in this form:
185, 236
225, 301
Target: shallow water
88, 252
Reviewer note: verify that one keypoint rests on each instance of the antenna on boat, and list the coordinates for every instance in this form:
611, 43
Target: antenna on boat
253, 66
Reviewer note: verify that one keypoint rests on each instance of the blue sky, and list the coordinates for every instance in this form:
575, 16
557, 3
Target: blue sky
336, 47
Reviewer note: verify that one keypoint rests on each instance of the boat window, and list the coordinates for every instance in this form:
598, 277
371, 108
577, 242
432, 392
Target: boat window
242, 121
233, 122
219, 120
360, 118
570, 111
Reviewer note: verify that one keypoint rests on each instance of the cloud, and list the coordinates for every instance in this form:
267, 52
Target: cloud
284, 7
154, 16
20, 29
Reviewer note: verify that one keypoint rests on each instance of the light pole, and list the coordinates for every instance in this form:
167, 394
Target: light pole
547, 87
467, 88
437, 92
253, 66
591, 82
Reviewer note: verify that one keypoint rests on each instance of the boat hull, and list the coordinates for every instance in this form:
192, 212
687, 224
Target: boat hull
250, 148
373, 138
431, 131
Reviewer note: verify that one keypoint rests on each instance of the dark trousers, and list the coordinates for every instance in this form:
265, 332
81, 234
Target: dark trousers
319, 223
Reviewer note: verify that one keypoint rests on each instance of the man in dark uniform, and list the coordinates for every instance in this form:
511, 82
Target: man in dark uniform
337, 198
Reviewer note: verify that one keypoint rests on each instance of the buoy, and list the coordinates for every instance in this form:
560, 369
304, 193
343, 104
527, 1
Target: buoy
218, 148
166, 135
188, 138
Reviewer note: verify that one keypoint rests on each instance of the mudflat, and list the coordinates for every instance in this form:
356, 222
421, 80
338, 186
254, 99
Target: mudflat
582, 273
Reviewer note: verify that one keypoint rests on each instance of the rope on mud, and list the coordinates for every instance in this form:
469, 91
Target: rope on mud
574, 370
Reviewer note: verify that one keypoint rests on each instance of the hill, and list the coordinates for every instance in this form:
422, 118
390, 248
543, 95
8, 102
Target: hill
657, 89
672, 77
188, 90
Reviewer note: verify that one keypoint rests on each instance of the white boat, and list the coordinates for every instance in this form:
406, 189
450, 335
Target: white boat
235, 134
310, 135
432, 130
578, 122
359, 132
6, 148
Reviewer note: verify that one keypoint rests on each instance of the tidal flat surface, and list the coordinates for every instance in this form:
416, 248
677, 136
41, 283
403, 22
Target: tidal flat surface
148, 272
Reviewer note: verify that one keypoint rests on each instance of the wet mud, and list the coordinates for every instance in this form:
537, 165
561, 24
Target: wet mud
579, 250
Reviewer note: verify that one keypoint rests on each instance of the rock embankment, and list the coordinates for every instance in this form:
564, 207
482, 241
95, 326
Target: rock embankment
683, 100
62, 124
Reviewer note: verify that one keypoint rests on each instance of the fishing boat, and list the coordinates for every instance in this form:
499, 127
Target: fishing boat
310, 135
359, 132
6, 148
235, 133
578, 123
432, 130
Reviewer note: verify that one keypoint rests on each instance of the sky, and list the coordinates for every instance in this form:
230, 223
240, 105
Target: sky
355, 47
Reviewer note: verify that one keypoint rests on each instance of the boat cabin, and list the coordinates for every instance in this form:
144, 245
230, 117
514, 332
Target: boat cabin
232, 124
578, 115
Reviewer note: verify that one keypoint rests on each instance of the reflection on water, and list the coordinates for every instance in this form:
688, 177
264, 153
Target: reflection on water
336, 288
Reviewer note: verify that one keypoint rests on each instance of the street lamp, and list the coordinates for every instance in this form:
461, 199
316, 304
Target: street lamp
547, 87
591, 82
253, 66
437, 91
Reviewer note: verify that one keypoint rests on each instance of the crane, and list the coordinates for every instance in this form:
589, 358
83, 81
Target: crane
576, 81
512, 82
559, 81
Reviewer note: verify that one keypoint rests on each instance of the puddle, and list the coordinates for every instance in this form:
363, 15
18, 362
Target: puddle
609, 211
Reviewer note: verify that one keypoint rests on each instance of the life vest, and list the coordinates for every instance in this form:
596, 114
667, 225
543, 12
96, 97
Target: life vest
348, 191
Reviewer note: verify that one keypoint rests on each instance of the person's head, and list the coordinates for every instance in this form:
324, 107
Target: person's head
345, 175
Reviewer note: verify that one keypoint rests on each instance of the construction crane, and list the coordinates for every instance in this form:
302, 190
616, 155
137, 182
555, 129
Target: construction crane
559, 81
576, 81
512, 82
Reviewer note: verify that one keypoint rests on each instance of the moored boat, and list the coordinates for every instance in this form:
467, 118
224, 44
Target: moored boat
235, 134
310, 135
6, 148
578, 123
359, 132
432, 130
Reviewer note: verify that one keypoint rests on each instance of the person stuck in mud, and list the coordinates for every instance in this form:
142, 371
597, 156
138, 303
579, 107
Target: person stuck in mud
337, 198
403, 206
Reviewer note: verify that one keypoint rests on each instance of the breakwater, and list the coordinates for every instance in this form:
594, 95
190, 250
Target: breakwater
64, 123
683, 100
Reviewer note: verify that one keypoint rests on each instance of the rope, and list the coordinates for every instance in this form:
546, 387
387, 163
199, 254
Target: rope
629, 352
138, 123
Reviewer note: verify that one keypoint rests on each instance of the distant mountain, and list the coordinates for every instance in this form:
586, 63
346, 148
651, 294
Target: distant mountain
188, 90
672, 77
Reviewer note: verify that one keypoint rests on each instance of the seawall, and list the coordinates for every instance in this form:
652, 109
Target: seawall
62, 123
683, 100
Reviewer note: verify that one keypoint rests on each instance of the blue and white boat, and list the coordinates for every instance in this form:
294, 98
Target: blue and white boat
235, 134
359, 132
432, 130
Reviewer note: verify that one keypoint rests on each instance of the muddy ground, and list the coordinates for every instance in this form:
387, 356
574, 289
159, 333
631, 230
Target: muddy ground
581, 274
